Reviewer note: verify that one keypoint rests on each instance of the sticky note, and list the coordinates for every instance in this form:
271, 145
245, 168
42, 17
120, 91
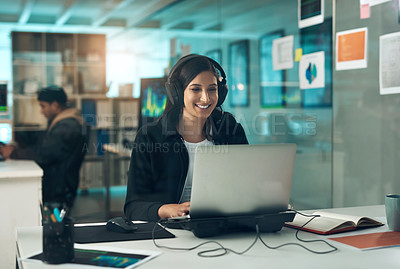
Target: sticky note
298, 54
365, 11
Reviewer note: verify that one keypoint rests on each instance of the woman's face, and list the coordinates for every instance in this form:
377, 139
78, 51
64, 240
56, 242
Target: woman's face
200, 96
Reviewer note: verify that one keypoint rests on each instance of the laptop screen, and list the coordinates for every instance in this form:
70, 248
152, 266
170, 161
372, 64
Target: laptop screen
232, 180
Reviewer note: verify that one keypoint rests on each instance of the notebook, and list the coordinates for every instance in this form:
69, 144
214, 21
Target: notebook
244, 182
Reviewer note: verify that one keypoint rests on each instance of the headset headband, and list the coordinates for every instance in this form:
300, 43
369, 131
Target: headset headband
187, 58
173, 89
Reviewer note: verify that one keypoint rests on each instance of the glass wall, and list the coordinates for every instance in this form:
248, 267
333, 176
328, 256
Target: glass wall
346, 132
269, 103
366, 124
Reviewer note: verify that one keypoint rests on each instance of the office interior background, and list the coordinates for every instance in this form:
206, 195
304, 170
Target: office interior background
347, 133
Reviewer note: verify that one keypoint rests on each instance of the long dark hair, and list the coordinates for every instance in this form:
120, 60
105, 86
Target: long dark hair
183, 75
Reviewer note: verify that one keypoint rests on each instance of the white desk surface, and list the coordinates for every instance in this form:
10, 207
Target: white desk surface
29, 241
19, 168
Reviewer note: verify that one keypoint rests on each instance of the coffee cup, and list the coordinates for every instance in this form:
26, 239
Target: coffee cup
392, 206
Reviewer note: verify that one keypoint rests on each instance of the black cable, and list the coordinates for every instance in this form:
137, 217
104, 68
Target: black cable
204, 253
225, 250
302, 240
314, 240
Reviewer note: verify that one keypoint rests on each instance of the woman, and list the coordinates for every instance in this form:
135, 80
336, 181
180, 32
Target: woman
160, 172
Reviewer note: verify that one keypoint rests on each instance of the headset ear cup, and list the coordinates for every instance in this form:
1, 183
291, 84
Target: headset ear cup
222, 92
172, 93
169, 92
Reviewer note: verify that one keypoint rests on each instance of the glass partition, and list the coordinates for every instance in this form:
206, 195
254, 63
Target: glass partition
366, 124
243, 32
346, 132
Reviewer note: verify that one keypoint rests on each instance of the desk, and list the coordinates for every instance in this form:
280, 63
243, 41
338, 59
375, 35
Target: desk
29, 241
20, 192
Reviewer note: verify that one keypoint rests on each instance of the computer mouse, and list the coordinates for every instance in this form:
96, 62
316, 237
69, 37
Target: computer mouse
121, 225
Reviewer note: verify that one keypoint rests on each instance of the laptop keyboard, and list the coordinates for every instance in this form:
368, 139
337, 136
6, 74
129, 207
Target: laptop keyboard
180, 217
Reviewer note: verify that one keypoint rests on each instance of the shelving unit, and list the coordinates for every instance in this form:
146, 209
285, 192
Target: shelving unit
76, 62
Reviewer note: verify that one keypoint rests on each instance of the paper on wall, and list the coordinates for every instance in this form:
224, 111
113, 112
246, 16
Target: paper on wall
351, 49
312, 70
389, 63
282, 53
310, 12
298, 54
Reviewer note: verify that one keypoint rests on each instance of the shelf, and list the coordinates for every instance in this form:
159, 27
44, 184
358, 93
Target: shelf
60, 64
76, 62
29, 129
127, 99
28, 64
6, 120
93, 96
17, 96
93, 158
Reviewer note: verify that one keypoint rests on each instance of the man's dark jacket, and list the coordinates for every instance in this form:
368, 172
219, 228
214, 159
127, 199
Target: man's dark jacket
60, 155
159, 162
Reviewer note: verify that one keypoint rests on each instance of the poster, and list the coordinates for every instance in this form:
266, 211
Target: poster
312, 70
389, 63
310, 12
282, 53
351, 49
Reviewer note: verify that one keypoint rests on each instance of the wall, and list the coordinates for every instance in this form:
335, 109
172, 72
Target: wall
366, 124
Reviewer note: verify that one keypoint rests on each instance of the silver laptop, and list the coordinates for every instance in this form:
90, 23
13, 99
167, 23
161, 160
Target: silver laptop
240, 180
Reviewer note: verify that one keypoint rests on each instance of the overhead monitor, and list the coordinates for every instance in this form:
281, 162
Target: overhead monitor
153, 98
3, 98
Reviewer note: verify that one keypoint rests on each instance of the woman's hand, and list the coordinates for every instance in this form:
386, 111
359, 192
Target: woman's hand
173, 210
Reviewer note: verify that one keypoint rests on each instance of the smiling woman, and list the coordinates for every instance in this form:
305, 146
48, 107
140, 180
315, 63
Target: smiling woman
160, 173
200, 99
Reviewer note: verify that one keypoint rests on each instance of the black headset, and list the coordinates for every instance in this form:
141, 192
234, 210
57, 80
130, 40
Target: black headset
174, 91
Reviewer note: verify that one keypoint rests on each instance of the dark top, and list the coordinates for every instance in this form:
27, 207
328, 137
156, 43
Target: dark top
60, 155
159, 162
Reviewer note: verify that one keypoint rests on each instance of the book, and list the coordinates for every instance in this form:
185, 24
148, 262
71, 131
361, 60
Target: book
103, 138
330, 223
104, 114
128, 114
89, 112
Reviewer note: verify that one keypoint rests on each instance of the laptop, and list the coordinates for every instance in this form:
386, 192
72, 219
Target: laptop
239, 186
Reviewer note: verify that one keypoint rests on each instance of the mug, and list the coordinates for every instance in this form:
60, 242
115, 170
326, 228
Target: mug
392, 206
